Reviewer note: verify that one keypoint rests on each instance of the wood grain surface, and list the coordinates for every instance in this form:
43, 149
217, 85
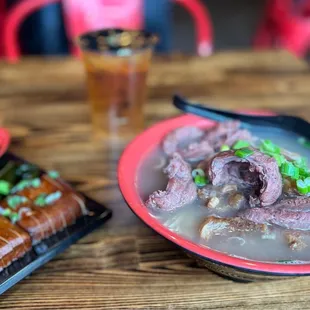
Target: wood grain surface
125, 265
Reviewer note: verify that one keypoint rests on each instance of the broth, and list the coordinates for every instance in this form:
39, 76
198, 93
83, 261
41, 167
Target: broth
186, 220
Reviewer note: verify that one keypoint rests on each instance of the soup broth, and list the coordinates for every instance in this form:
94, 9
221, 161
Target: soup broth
186, 220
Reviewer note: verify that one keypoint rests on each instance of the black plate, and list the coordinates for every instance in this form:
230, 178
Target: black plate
44, 251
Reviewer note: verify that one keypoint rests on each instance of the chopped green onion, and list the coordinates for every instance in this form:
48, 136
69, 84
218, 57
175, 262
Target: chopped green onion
243, 153
268, 146
304, 172
240, 144
198, 171
5, 212
301, 162
15, 200
302, 187
224, 147
49, 199
36, 182
53, 174
307, 182
14, 217
280, 159
5, 187
289, 170
304, 142
200, 180
40, 200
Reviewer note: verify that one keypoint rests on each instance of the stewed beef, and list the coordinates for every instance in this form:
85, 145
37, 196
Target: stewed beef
278, 216
223, 226
194, 144
227, 133
180, 190
298, 204
180, 138
257, 174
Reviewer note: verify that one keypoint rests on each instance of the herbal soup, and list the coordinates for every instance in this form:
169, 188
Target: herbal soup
243, 193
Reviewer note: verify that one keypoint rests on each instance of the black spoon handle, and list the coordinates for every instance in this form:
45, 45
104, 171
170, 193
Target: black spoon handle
295, 124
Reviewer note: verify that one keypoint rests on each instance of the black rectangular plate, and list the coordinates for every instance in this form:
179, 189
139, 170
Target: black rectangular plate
44, 251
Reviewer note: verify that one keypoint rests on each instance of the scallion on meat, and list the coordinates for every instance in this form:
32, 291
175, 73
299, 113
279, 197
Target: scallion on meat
240, 144
268, 146
224, 147
200, 180
243, 153
302, 187
289, 170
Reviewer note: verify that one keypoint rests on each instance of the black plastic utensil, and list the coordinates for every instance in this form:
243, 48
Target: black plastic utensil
280, 122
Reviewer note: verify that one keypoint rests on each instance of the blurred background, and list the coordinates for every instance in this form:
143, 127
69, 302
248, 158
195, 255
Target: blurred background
42, 26
234, 22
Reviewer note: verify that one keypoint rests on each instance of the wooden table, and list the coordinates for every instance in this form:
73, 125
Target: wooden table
125, 265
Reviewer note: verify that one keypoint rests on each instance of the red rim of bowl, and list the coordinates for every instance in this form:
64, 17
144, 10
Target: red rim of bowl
4, 140
131, 159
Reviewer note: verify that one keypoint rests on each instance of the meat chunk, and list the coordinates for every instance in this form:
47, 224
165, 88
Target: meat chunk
212, 226
227, 133
180, 190
14, 242
278, 216
194, 144
197, 151
180, 137
44, 207
296, 204
258, 174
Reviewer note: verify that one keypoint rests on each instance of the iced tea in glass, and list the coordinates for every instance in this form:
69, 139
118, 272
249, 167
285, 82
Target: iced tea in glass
117, 63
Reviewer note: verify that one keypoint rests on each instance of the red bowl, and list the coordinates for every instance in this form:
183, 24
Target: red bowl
233, 267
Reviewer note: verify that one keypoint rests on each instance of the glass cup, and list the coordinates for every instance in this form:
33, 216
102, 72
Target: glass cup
117, 63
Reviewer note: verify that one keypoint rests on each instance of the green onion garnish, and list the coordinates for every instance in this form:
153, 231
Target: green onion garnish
198, 171
301, 162
40, 200
304, 172
240, 144
302, 187
289, 170
307, 182
14, 217
53, 174
280, 159
49, 199
304, 142
15, 200
36, 182
200, 180
224, 147
5, 212
268, 146
243, 153
5, 187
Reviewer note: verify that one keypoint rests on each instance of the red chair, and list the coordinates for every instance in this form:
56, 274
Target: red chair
2, 16
76, 21
285, 25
